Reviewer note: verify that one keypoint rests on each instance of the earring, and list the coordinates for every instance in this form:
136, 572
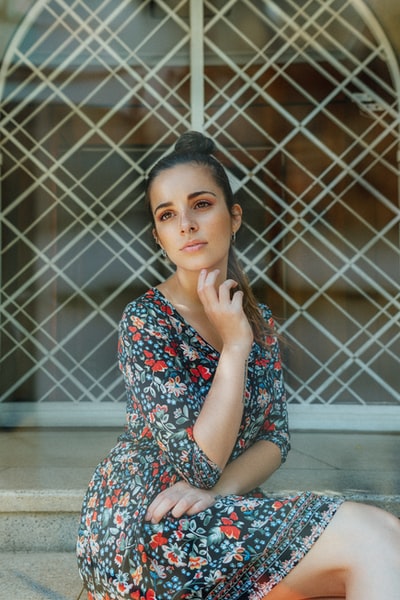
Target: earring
163, 253
233, 237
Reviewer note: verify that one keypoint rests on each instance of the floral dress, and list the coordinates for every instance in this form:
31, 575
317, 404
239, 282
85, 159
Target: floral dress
238, 548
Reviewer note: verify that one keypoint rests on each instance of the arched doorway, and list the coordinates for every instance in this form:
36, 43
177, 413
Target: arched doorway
303, 101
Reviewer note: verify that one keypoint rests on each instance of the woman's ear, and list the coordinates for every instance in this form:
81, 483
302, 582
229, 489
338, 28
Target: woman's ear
236, 214
155, 236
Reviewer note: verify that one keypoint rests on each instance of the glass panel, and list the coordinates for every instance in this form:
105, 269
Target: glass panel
301, 101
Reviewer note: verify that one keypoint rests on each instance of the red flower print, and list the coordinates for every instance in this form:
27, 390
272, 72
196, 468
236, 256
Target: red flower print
143, 553
278, 504
122, 587
228, 528
157, 540
268, 426
156, 365
165, 478
146, 432
166, 309
113, 500
169, 350
261, 362
159, 365
204, 372
137, 322
231, 531
196, 562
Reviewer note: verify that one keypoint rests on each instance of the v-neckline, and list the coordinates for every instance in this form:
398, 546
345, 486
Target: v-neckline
184, 321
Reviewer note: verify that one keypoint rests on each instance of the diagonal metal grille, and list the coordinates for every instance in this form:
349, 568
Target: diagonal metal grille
312, 106
303, 100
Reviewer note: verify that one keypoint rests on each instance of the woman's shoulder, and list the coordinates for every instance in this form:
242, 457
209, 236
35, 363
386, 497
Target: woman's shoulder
150, 310
145, 301
148, 305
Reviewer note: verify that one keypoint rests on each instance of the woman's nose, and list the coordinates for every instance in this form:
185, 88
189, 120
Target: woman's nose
188, 224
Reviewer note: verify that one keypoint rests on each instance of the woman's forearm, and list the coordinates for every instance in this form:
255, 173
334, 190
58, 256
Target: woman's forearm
249, 470
217, 425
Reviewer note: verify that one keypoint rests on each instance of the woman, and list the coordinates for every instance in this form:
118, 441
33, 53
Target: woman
174, 511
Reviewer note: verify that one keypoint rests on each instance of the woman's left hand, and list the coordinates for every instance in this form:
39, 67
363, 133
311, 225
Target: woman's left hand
179, 499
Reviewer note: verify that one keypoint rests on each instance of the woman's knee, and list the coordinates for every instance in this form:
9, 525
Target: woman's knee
359, 540
369, 530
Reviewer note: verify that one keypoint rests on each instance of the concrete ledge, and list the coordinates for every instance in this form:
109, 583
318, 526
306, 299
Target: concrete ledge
44, 475
37, 501
310, 417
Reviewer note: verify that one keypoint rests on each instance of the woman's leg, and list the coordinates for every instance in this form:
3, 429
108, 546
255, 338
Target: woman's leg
357, 557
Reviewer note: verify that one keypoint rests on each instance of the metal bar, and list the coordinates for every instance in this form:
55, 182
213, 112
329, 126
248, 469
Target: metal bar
197, 65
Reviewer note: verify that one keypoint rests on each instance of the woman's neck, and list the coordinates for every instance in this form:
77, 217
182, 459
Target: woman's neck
181, 290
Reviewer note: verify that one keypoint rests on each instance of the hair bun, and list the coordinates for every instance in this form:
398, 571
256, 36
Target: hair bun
194, 142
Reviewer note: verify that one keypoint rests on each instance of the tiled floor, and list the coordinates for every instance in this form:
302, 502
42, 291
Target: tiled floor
64, 460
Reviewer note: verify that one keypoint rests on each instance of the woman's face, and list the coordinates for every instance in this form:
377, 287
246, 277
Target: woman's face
192, 221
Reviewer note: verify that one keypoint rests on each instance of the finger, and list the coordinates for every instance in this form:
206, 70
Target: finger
160, 507
199, 506
237, 300
206, 286
210, 280
225, 290
191, 504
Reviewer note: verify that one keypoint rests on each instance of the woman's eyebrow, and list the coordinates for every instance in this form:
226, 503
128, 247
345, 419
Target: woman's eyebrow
195, 194
162, 205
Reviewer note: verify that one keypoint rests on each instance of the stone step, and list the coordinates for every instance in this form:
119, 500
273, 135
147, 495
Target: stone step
38, 531
47, 521
39, 576
39, 520
44, 475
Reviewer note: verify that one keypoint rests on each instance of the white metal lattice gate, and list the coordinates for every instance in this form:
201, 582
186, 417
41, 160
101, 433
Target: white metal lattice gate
303, 101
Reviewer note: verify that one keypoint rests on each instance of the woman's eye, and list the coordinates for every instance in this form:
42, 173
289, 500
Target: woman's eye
166, 215
202, 204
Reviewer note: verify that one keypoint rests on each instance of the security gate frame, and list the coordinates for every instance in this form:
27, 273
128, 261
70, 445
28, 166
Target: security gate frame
291, 240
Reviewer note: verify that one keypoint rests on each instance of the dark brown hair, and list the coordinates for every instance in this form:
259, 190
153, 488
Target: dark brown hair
195, 148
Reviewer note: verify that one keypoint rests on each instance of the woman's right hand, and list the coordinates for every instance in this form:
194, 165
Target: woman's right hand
224, 310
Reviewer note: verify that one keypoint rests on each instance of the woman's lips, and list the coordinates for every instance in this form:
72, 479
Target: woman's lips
193, 246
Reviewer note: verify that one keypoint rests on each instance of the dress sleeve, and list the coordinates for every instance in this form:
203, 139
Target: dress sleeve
275, 427
165, 391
